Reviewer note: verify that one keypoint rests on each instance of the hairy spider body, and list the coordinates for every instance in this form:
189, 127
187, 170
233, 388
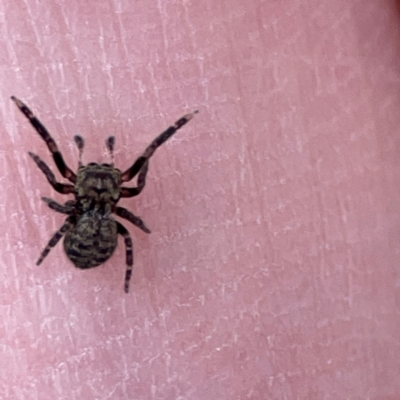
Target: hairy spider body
93, 238
92, 241
97, 184
90, 231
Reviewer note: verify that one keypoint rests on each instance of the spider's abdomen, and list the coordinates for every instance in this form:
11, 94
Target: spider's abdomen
91, 241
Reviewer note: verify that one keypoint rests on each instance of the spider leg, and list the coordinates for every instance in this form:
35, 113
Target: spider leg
63, 209
59, 187
129, 254
124, 213
55, 239
134, 191
110, 143
51, 144
80, 144
157, 142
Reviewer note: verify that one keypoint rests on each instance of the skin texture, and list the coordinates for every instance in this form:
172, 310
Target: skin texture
272, 270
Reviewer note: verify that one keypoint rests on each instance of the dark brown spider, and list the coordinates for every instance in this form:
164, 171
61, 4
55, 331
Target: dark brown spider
90, 231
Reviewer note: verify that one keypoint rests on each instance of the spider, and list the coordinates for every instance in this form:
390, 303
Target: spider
90, 232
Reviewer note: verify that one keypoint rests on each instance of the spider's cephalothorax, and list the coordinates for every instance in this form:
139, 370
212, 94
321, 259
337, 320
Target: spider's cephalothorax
90, 231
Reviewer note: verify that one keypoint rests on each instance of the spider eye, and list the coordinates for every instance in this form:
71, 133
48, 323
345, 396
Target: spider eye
92, 163
106, 165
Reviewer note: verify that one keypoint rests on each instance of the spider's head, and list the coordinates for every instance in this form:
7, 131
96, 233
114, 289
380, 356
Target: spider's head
98, 183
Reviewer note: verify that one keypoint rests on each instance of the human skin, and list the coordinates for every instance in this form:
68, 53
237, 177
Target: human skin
272, 268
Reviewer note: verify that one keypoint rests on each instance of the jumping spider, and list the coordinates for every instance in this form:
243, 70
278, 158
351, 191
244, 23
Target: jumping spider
90, 231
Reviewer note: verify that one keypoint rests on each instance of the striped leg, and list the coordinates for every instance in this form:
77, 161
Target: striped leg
157, 142
66, 208
80, 144
124, 213
110, 144
51, 144
134, 191
55, 239
129, 254
59, 187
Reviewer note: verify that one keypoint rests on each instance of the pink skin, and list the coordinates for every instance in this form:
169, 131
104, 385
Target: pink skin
272, 269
